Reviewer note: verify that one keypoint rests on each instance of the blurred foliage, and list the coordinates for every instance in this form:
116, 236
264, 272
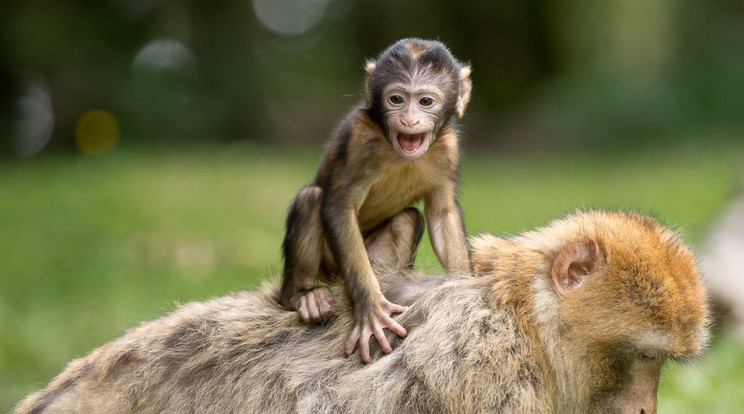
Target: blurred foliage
548, 73
672, 65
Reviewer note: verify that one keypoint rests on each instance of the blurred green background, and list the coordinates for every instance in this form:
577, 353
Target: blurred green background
149, 148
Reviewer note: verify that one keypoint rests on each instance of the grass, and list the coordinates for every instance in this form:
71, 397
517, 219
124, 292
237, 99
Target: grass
93, 246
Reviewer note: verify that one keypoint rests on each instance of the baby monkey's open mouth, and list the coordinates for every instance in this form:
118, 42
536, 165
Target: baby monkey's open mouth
411, 146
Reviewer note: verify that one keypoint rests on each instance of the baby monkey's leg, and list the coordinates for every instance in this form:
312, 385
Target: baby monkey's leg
303, 251
392, 246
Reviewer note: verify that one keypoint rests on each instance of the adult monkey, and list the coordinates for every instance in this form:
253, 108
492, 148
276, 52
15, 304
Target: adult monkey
399, 146
574, 318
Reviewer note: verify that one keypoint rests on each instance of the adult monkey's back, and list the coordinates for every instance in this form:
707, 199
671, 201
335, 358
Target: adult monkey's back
577, 317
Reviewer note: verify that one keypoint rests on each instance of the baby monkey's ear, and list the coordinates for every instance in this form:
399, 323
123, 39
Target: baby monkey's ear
369, 67
463, 97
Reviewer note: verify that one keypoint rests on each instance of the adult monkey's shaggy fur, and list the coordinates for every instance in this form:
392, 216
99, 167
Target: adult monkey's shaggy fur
576, 317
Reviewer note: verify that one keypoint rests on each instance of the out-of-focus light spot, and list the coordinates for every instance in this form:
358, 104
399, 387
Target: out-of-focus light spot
163, 54
35, 122
289, 17
96, 132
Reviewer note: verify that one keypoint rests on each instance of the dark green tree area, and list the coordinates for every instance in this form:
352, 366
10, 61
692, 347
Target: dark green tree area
548, 74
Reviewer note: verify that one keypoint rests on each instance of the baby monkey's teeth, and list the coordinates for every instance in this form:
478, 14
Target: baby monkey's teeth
410, 143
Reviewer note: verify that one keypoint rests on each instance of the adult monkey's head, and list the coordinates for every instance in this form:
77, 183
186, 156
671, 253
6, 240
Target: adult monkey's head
412, 90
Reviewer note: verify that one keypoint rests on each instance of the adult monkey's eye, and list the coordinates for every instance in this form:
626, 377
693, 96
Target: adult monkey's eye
396, 99
648, 356
426, 101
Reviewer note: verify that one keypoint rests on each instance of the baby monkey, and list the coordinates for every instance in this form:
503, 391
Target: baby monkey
397, 147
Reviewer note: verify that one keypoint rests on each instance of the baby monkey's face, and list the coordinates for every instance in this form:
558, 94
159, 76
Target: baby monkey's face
411, 114
412, 91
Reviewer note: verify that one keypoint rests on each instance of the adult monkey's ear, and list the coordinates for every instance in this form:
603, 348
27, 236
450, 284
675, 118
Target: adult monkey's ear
463, 97
575, 264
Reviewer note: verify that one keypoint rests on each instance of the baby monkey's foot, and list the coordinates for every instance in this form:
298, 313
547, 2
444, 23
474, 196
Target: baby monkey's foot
314, 305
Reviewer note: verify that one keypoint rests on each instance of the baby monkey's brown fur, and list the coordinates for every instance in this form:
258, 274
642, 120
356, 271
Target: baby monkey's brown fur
396, 148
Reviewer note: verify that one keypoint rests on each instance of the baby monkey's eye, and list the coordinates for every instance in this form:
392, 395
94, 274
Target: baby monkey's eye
396, 99
426, 101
